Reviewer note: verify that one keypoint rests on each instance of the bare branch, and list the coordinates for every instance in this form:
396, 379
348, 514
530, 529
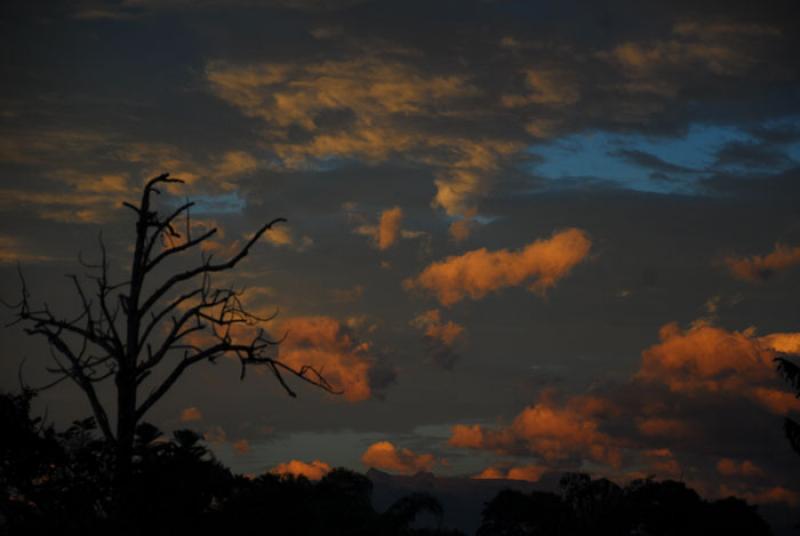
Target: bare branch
77, 373
207, 267
122, 334
177, 249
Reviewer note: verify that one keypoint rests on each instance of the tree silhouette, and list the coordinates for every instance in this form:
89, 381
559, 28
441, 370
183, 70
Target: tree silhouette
156, 324
586, 506
791, 373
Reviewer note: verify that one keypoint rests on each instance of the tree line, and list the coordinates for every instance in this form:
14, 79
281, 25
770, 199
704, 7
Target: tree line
62, 482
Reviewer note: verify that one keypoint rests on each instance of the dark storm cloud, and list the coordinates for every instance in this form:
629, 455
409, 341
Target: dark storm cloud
650, 161
752, 155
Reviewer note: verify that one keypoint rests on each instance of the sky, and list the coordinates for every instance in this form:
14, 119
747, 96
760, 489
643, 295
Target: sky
523, 237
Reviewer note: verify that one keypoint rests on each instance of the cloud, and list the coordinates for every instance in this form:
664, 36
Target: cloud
551, 432
666, 418
215, 435
12, 251
460, 229
744, 468
476, 273
546, 87
529, 473
331, 348
365, 108
68, 207
314, 470
82, 175
387, 231
764, 495
191, 414
662, 462
241, 446
389, 228
430, 322
440, 337
369, 87
708, 359
384, 455
664, 427
465, 173
718, 56
759, 268
787, 343
347, 295
234, 164
651, 161
283, 236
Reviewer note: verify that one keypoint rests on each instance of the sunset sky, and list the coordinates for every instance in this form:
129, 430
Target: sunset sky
523, 237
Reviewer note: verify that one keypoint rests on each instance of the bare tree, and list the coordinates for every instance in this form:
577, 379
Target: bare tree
128, 330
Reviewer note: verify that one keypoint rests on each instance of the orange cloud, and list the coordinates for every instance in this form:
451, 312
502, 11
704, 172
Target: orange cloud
328, 345
776, 494
12, 251
662, 463
467, 436
235, 163
191, 414
312, 471
215, 435
547, 87
440, 337
529, 473
389, 228
387, 231
787, 343
759, 268
730, 467
331, 348
282, 236
776, 400
241, 447
540, 264
430, 323
663, 427
707, 359
347, 295
460, 229
490, 473
466, 172
551, 432
642, 60
375, 91
384, 455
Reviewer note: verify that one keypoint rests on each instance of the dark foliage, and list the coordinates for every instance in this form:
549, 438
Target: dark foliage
600, 507
791, 373
61, 483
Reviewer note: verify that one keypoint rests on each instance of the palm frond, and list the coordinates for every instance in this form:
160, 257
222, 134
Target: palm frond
792, 429
790, 372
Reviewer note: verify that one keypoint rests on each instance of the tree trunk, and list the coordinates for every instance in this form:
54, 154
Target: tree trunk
126, 376
123, 451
